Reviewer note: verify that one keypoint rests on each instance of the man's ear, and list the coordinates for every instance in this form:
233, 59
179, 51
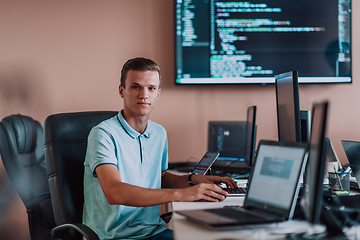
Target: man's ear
121, 91
158, 95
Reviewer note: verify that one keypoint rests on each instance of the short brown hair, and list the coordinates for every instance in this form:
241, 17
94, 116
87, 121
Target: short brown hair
138, 64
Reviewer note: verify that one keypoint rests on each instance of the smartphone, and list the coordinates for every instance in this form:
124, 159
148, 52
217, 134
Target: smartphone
205, 163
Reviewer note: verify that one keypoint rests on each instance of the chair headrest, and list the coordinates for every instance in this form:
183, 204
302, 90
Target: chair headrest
25, 131
74, 126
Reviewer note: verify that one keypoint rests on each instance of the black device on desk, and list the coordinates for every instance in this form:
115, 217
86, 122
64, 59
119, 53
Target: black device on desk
352, 151
311, 201
318, 204
236, 143
201, 167
315, 211
288, 106
205, 163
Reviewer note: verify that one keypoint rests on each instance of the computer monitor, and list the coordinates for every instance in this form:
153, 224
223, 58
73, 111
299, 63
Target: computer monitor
288, 107
314, 174
227, 138
248, 42
249, 139
235, 140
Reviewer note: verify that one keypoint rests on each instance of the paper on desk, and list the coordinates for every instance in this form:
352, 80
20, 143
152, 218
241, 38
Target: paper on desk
276, 230
296, 226
252, 235
352, 232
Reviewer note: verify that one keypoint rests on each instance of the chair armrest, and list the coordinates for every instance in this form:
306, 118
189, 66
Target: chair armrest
166, 217
85, 231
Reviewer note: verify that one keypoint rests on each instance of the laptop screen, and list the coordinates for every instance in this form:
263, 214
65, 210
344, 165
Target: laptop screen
275, 175
352, 151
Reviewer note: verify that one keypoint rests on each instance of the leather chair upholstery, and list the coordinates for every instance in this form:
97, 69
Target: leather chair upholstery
65, 147
22, 153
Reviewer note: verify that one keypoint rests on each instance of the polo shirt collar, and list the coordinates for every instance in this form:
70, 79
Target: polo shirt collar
129, 130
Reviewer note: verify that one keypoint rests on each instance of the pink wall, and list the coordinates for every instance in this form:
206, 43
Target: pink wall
62, 56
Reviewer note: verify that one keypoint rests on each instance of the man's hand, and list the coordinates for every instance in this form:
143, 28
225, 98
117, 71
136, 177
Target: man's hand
206, 188
203, 191
230, 183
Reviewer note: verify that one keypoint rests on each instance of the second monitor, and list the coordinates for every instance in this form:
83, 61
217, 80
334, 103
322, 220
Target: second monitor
235, 140
288, 107
293, 123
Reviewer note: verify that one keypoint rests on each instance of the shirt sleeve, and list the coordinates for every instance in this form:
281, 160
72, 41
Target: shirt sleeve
165, 157
100, 149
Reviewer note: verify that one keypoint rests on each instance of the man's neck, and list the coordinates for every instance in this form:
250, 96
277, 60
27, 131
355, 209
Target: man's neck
138, 123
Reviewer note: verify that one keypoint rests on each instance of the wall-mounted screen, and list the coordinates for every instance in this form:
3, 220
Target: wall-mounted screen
237, 42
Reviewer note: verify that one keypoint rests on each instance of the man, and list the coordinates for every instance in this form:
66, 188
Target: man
125, 177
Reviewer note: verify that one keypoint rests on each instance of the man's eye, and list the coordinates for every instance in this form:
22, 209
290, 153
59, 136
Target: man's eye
135, 87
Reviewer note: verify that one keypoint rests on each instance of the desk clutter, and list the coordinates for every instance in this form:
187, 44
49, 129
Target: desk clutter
278, 185
341, 214
339, 182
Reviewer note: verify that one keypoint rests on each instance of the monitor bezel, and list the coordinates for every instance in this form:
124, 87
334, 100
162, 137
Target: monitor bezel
312, 198
280, 80
249, 145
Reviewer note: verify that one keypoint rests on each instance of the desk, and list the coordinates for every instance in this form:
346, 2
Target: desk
185, 230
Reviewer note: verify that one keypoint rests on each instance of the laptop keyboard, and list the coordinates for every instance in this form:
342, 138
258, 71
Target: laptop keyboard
234, 214
235, 191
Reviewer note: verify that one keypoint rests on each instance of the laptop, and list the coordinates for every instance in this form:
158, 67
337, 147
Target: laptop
272, 192
352, 151
332, 159
331, 155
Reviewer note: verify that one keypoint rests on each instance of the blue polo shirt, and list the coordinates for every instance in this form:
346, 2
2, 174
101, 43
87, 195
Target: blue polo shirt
140, 159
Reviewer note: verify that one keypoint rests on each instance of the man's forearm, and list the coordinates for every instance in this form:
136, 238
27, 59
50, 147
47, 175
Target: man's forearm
170, 180
129, 195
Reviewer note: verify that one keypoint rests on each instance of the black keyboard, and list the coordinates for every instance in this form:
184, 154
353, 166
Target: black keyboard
234, 214
235, 191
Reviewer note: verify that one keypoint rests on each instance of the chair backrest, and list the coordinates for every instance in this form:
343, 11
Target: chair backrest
65, 147
22, 153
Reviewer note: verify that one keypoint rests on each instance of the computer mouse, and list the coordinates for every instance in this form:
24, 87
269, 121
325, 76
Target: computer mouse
220, 200
203, 200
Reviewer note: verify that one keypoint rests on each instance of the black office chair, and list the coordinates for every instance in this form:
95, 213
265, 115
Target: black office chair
22, 153
65, 147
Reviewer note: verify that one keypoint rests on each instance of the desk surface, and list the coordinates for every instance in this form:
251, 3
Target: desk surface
183, 229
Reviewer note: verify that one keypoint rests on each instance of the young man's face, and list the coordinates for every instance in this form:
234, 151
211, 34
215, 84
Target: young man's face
141, 92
